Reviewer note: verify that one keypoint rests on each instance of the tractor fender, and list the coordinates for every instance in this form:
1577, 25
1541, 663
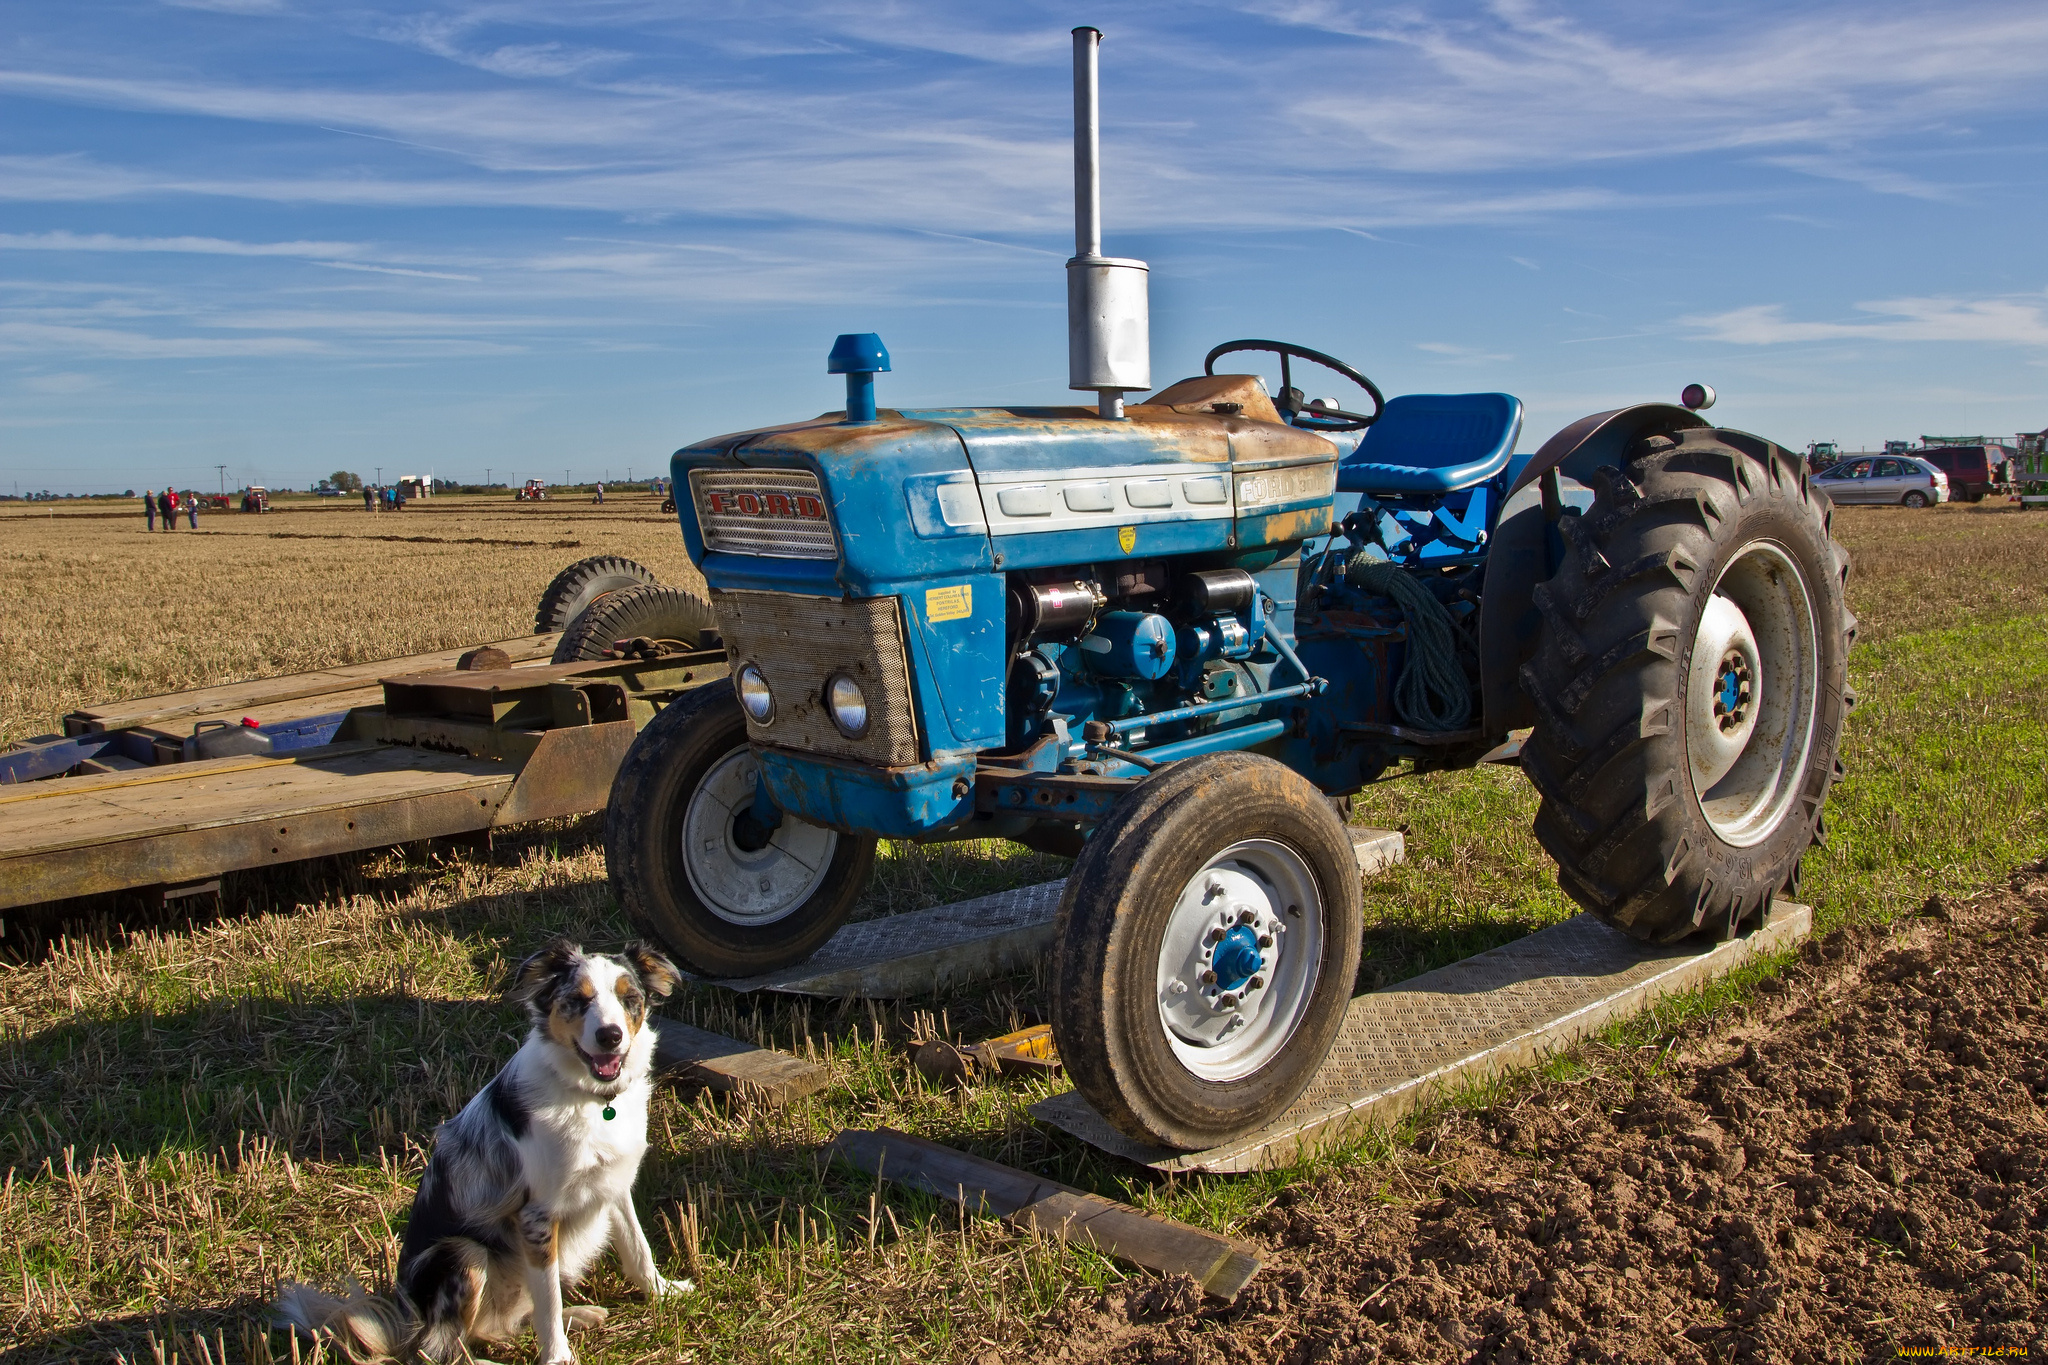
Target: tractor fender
1523, 553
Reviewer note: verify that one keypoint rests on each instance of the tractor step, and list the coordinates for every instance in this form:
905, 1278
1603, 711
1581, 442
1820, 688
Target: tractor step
923, 952
1413, 1042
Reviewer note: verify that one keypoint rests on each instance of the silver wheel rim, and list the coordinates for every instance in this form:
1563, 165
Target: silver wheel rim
749, 887
1751, 695
1239, 959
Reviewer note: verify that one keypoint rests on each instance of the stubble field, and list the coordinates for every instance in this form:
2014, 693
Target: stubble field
191, 1111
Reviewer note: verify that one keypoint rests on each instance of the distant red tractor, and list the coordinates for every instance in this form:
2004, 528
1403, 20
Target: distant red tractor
534, 491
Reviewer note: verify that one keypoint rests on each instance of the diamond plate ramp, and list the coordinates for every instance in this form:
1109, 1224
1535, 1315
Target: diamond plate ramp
925, 951
1405, 1045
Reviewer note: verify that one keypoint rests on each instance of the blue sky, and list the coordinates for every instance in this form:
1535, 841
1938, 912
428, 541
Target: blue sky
288, 236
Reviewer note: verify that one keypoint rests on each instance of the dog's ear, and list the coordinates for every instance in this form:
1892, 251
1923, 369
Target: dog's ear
532, 977
657, 974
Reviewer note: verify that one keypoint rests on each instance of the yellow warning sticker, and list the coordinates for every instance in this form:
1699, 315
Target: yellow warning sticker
1127, 537
949, 604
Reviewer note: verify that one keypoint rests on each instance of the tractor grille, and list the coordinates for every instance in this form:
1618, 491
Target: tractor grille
774, 512
798, 643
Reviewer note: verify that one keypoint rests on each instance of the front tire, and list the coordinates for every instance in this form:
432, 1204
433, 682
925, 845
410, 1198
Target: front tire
1689, 685
1207, 946
695, 870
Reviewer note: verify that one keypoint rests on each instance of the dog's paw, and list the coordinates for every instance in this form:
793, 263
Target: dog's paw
559, 1355
662, 1289
580, 1317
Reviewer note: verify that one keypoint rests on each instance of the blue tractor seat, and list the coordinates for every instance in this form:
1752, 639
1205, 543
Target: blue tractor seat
1434, 443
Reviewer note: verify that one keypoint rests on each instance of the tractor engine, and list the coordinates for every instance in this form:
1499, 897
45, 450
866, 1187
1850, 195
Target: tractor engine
904, 592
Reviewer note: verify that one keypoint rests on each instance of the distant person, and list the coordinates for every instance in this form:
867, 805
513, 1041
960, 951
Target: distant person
369, 499
192, 509
167, 508
600, 495
149, 506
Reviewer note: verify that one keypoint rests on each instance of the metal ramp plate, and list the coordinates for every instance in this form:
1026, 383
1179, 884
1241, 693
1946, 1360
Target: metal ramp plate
1405, 1045
925, 951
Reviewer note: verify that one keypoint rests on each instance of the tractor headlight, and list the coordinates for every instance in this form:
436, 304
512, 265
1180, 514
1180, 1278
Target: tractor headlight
755, 698
847, 705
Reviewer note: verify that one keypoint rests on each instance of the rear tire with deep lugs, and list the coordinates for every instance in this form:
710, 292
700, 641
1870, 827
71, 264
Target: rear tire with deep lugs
1689, 685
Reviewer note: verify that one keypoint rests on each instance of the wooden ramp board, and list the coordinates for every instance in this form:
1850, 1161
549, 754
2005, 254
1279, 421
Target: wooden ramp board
699, 1057
1405, 1045
187, 821
242, 696
1220, 1265
923, 952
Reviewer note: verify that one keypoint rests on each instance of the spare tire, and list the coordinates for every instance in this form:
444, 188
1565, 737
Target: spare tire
1689, 685
582, 583
653, 610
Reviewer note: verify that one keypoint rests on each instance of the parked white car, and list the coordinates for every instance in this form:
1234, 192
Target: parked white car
1895, 480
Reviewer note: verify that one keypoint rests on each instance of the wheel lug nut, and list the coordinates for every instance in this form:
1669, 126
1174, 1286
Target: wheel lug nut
1208, 978
1265, 940
1256, 983
1245, 916
1227, 1000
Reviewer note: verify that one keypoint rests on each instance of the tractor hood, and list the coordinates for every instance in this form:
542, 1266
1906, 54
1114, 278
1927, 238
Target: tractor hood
859, 509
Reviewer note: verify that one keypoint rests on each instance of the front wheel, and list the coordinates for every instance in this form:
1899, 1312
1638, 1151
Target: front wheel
1207, 945
696, 867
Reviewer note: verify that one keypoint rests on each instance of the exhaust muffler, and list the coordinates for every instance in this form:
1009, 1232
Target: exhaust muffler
1109, 329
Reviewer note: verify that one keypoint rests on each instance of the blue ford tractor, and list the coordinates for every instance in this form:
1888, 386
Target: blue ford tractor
1169, 637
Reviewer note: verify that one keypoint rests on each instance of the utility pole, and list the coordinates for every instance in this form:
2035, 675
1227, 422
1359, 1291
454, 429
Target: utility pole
487, 476
223, 479
565, 478
380, 474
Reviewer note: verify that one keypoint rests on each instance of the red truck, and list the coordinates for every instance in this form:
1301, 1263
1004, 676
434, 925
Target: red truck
1972, 470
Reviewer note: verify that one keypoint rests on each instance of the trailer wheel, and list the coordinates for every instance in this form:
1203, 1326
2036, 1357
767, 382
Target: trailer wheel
694, 868
581, 584
1689, 685
653, 610
1207, 946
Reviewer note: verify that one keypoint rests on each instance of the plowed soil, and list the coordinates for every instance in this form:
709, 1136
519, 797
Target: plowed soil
1853, 1167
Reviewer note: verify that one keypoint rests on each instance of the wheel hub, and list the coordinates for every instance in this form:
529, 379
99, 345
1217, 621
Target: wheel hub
1751, 695
1237, 959
1732, 691
745, 872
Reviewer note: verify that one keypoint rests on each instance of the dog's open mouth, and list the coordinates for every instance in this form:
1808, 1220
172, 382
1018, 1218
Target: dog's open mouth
606, 1067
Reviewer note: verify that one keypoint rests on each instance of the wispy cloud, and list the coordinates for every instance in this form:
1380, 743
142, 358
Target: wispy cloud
2019, 320
1464, 353
396, 270
43, 338
197, 246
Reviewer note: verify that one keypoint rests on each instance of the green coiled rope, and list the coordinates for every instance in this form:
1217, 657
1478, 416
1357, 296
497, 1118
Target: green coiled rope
1431, 693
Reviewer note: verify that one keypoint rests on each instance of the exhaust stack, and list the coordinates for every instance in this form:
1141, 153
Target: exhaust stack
1109, 332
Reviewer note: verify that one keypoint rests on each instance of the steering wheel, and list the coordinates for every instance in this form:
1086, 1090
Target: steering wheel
1289, 400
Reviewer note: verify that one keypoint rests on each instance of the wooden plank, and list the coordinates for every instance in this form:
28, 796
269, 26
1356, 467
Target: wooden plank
171, 856
277, 792
288, 687
1220, 1265
698, 1056
170, 772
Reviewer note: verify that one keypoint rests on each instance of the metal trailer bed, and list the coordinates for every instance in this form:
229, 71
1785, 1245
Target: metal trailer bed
366, 756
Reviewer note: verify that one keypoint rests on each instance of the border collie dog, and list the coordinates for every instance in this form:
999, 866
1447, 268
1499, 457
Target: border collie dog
529, 1182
